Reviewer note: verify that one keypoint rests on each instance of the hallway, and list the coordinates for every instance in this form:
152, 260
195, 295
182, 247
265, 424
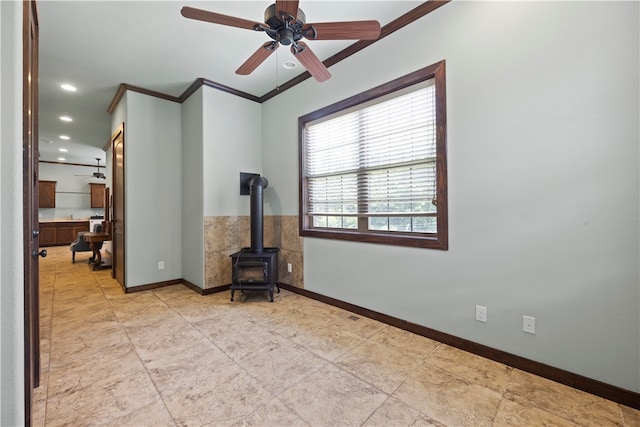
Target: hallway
170, 357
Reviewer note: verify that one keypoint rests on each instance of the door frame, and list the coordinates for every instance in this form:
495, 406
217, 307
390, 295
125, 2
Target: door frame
31, 241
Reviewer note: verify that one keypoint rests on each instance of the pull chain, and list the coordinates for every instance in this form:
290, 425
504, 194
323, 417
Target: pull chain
277, 62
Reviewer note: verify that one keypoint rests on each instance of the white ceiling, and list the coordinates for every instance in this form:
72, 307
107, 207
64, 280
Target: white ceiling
97, 45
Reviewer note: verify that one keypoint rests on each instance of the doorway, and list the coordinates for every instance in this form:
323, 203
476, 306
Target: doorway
117, 221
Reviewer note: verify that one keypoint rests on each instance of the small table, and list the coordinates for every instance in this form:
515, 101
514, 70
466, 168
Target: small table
93, 238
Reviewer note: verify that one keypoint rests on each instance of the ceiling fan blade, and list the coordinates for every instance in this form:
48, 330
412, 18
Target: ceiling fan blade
257, 58
218, 18
287, 7
310, 61
348, 30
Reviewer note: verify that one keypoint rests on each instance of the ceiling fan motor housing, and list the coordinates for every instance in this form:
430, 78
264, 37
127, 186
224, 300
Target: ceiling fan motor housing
281, 29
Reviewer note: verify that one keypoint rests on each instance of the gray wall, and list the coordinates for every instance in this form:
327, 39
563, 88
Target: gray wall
153, 189
543, 134
232, 144
11, 259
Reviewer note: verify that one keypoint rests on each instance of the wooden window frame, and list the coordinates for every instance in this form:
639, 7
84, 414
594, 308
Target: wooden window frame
438, 240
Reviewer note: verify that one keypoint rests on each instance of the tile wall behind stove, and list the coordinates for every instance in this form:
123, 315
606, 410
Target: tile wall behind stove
224, 235
291, 251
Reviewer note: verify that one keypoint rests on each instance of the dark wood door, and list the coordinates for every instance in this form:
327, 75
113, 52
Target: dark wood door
30, 204
118, 223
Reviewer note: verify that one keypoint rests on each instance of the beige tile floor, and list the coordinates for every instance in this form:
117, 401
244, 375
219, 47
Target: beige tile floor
170, 357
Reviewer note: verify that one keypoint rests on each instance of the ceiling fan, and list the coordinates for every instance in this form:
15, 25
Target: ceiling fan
286, 24
97, 174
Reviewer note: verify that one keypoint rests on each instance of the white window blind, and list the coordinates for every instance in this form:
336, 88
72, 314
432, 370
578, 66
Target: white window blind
377, 162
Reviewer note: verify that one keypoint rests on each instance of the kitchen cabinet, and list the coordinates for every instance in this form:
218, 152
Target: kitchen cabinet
47, 235
61, 232
47, 194
97, 195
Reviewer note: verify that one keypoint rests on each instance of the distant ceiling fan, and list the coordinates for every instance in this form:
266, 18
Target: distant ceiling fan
286, 24
97, 174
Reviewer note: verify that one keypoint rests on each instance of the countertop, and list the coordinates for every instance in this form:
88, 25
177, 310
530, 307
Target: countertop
63, 220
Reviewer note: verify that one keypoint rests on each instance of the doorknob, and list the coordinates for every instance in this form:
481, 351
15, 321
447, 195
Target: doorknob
35, 233
42, 253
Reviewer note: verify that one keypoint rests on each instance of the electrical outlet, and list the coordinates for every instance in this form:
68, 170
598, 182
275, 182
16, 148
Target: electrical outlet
160, 265
529, 324
481, 313
289, 268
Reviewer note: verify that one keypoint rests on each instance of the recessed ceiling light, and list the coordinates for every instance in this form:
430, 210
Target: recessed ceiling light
66, 119
62, 150
289, 65
65, 137
68, 87
62, 159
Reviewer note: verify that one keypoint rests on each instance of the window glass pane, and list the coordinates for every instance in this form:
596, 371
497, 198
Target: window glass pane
319, 221
350, 222
400, 223
335, 222
379, 223
424, 224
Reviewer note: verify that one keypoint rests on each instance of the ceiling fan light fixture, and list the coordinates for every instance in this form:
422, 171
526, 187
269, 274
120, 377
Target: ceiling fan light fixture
68, 87
289, 65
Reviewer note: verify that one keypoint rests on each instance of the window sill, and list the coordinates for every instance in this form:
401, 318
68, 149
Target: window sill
389, 238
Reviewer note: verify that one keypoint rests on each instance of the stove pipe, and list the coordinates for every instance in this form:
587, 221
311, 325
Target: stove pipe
256, 185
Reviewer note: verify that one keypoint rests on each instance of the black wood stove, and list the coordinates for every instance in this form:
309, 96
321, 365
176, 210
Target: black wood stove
255, 268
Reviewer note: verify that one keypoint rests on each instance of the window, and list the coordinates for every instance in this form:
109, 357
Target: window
373, 167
